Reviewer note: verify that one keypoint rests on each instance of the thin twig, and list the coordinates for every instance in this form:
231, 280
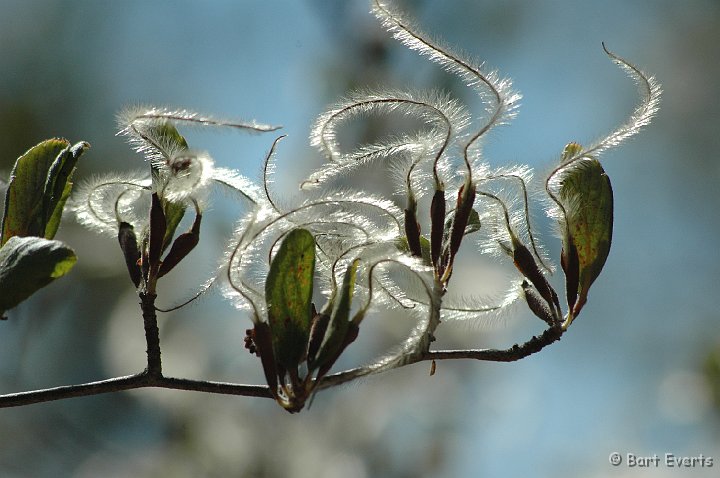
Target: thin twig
130, 382
512, 354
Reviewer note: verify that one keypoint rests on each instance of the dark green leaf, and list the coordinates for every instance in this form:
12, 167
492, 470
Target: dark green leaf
473, 224
28, 264
53, 222
58, 186
24, 215
288, 292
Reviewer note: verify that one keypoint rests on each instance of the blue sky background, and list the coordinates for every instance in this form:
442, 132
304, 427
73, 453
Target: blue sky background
627, 377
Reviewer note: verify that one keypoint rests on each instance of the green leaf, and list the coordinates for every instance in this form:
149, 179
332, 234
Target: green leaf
58, 186
586, 195
174, 213
39, 188
402, 245
24, 199
473, 224
28, 264
165, 133
53, 222
288, 292
334, 340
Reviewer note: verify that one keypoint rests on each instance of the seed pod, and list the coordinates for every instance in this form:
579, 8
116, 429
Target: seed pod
525, 262
537, 305
465, 201
262, 342
437, 228
129, 246
412, 231
158, 225
570, 266
181, 247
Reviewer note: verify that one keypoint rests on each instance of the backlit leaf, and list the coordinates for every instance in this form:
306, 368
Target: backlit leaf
39, 188
586, 195
24, 215
288, 292
58, 186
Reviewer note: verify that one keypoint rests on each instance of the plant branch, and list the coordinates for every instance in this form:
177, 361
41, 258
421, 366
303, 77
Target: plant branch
152, 334
147, 380
118, 384
69, 391
512, 354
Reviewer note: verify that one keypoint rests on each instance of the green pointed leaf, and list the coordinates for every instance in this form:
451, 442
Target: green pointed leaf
168, 134
58, 186
288, 292
53, 222
165, 133
586, 195
337, 328
473, 224
174, 213
28, 264
24, 198
402, 245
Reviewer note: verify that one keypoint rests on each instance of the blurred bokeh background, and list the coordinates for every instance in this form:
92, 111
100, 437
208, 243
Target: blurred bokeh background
637, 373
